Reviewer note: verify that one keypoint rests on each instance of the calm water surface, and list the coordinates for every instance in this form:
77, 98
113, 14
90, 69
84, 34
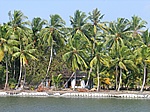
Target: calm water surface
49, 104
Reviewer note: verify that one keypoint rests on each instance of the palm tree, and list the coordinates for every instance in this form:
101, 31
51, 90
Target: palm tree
116, 36
36, 26
7, 44
143, 55
124, 62
136, 26
25, 54
99, 60
75, 55
79, 25
4, 49
136, 29
117, 32
94, 32
78, 22
20, 32
53, 35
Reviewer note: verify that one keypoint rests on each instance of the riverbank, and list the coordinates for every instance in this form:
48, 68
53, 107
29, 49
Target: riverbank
70, 93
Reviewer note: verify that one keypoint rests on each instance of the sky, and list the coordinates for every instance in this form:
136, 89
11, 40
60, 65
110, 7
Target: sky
112, 9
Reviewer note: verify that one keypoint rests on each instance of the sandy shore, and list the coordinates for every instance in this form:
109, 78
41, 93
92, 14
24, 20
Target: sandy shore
70, 93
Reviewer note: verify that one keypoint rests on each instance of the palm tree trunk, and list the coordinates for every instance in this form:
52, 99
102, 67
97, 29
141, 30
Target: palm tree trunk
69, 79
89, 75
6, 82
144, 79
50, 60
14, 70
75, 77
120, 79
19, 80
116, 77
20, 75
24, 76
34, 68
98, 82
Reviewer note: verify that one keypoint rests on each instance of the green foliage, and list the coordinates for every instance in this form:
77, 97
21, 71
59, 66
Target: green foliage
56, 80
12, 83
87, 43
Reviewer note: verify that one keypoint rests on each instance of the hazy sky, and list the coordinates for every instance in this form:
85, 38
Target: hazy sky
65, 8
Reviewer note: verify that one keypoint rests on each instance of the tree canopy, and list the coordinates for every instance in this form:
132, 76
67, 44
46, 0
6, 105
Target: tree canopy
118, 50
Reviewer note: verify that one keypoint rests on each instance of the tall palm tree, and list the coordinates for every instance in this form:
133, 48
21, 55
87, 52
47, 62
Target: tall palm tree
94, 32
53, 35
124, 62
25, 54
36, 27
100, 59
20, 32
116, 36
143, 55
4, 49
75, 56
7, 44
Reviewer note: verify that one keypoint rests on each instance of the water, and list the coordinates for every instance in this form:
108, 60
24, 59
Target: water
48, 104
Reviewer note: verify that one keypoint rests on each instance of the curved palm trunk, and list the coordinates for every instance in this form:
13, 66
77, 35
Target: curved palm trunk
144, 79
89, 75
116, 77
50, 60
75, 77
24, 76
14, 70
120, 79
6, 82
19, 80
98, 81
69, 79
34, 68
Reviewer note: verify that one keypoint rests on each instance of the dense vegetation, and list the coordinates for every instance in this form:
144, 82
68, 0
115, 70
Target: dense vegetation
115, 53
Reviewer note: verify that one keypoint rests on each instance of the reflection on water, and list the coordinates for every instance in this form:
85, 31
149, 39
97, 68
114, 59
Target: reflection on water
48, 104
